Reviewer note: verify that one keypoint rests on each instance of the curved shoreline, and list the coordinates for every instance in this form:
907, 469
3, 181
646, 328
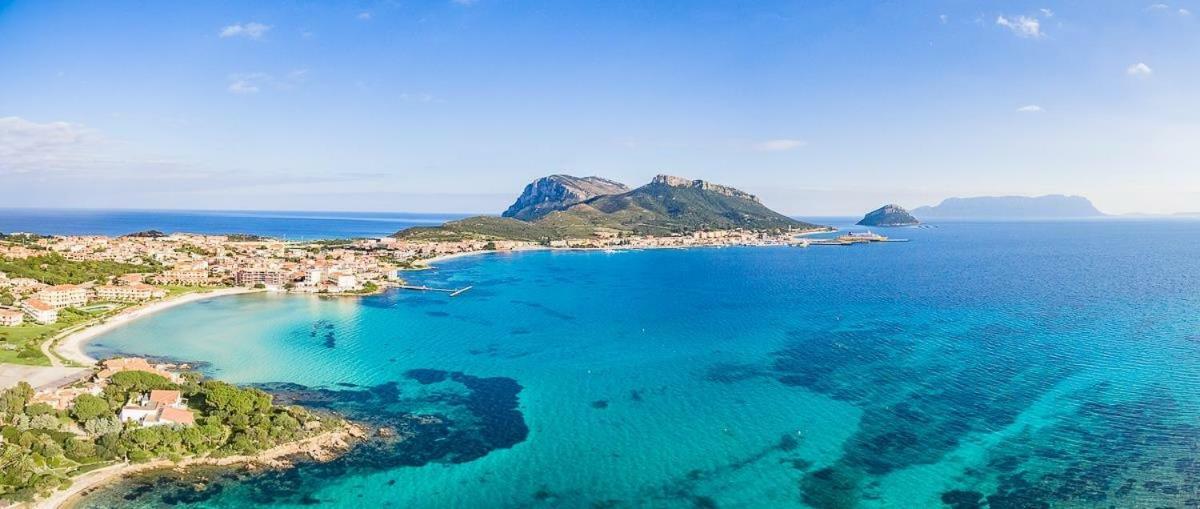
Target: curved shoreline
71, 347
323, 447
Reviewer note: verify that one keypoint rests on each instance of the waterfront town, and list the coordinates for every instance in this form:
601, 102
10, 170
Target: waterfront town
57, 289
343, 267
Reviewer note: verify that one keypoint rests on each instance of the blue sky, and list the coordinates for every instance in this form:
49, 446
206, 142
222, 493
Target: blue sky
821, 108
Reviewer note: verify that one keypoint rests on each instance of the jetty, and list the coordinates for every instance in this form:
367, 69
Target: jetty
850, 239
454, 292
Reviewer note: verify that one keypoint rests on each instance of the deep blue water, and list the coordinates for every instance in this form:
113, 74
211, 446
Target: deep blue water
979, 365
284, 224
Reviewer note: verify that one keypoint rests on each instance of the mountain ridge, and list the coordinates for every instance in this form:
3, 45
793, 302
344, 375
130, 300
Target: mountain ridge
664, 206
1049, 206
558, 191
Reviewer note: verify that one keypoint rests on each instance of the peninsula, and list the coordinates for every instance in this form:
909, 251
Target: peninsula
130, 415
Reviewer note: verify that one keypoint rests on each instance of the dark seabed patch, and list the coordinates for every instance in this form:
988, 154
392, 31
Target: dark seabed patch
437, 314
600, 404
1119, 448
473, 416
883, 369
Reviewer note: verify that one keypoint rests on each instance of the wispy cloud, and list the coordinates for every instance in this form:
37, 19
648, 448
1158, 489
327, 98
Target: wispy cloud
45, 149
943, 19
1139, 69
779, 145
246, 83
255, 82
251, 30
1022, 26
1030, 108
464, 2
1047, 13
1161, 7
364, 16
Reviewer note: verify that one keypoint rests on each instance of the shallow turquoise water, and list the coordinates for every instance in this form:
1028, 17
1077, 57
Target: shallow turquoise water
1005, 365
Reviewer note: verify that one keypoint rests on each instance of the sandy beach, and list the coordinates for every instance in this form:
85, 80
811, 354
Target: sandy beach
323, 447
71, 347
428, 262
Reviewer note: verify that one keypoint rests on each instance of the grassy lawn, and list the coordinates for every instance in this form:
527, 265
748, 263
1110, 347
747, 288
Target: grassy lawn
177, 290
22, 344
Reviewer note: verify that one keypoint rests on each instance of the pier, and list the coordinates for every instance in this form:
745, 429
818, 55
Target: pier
452, 291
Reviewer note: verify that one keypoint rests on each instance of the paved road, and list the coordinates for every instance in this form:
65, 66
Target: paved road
40, 377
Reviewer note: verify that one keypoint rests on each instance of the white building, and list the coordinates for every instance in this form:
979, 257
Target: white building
40, 311
347, 282
11, 317
158, 408
63, 296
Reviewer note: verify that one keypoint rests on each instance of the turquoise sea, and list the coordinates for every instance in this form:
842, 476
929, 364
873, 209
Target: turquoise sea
979, 365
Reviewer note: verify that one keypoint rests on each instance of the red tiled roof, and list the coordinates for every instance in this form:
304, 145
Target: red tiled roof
39, 305
165, 397
178, 416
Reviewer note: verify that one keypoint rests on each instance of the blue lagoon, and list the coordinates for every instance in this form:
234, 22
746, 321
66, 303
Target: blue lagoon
986, 364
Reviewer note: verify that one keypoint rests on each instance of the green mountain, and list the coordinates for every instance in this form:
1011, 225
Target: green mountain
888, 215
664, 206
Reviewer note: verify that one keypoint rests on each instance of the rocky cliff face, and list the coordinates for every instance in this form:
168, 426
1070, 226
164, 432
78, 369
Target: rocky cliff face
557, 192
673, 181
888, 215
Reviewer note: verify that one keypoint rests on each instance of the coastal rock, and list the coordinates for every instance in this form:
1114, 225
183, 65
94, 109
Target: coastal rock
556, 192
888, 215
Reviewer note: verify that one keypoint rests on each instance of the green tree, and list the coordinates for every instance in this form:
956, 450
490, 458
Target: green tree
13, 400
88, 407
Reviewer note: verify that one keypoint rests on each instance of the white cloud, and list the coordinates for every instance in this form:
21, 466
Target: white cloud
1158, 7
943, 18
365, 16
779, 145
1139, 69
247, 83
1022, 26
1047, 13
255, 82
251, 30
464, 2
31, 149
1030, 108
1185, 12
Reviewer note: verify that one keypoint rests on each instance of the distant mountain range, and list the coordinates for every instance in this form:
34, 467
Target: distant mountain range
564, 206
1053, 206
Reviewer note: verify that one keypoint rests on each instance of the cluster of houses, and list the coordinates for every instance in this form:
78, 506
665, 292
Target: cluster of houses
154, 408
201, 260
41, 303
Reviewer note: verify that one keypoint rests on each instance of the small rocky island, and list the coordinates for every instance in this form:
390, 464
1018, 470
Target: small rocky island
888, 215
